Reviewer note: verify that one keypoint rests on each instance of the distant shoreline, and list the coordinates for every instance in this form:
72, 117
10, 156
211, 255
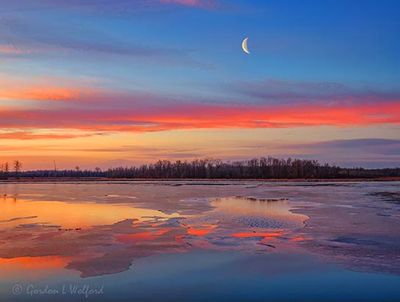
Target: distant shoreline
263, 168
104, 179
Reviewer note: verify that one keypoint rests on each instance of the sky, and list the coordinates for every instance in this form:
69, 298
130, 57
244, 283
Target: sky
100, 83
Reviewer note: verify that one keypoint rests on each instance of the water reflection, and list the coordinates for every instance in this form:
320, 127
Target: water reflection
99, 232
102, 238
69, 214
273, 212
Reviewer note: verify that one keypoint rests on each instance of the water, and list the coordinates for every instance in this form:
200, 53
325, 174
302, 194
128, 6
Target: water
200, 240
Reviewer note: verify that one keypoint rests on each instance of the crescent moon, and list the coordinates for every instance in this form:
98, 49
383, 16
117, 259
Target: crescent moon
244, 46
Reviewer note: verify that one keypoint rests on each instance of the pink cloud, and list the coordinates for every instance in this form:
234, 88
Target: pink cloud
6, 49
44, 89
158, 117
93, 109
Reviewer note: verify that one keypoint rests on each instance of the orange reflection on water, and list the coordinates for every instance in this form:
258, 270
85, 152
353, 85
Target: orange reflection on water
142, 236
298, 238
224, 227
274, 234
69, 214
201, 231
32, 268
45, 262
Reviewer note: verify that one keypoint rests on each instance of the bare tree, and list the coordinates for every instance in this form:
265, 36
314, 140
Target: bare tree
17, 167
4, 170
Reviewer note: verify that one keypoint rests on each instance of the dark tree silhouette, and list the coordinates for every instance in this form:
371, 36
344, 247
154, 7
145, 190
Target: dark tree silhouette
257, 168
17, 167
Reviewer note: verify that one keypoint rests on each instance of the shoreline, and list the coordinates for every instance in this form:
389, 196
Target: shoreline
103, 179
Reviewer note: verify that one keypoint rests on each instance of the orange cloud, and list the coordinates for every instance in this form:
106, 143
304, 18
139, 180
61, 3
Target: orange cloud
42, 89
97, 110
147, 117
29, 135
41, 94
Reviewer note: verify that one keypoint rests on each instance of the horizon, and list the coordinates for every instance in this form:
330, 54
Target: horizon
11, 167
127, 82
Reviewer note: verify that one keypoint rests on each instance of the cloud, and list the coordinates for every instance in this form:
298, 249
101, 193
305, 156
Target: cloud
158, 116
10, 50
298, 92
39, 38
82, 106
192, 3
366, 152
375, 146
356, 143
31, 135
363, 152
102, 6
138, 151
44, 88
41, 94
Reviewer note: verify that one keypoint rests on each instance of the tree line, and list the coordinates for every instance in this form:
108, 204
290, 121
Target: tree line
256, 168
15, 169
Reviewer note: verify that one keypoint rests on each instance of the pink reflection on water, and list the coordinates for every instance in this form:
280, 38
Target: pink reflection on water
97, 239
